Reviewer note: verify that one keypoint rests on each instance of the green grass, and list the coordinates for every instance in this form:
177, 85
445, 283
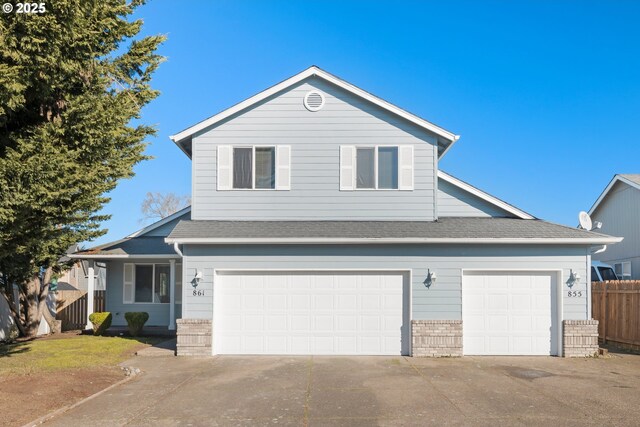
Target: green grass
73, 352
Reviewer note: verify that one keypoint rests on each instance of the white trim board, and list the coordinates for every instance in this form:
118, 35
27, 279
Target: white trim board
125, 256
309, 72
616, 178
484, 196
372, 240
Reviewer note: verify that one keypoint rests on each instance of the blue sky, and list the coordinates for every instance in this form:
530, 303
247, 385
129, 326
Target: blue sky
545, 94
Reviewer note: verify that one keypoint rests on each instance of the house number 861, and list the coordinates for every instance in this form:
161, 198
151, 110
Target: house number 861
198, 292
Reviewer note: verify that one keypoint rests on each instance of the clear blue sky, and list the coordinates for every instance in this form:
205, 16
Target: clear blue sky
545, 94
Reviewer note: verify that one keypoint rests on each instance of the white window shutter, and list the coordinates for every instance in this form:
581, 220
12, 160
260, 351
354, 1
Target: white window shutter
129, 283
347, 167
283, 167
225, 163
405, 167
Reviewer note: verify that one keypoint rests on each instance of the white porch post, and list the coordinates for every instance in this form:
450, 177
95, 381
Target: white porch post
91, 286
172, 294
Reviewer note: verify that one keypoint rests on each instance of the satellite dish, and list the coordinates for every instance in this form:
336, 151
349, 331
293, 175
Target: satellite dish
585, 220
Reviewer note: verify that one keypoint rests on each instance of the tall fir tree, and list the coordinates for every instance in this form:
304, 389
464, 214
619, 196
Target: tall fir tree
73, 81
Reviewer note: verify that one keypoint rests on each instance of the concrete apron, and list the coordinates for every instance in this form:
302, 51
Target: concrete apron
369, 391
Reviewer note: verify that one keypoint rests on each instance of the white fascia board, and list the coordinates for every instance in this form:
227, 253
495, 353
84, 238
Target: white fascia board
124, 256
484, 196
314, 71
349, 240
613, 181
160, 223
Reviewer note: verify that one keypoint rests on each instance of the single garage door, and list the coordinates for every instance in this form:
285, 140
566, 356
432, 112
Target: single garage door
508, 313
343, 313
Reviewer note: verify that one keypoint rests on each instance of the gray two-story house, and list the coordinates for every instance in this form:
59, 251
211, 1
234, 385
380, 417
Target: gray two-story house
321, 224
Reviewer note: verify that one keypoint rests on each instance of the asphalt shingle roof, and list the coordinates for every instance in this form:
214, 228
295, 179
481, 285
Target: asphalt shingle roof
456, 228
133, 246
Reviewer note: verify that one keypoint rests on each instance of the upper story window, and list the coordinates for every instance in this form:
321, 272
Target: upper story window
376, 167
254, 167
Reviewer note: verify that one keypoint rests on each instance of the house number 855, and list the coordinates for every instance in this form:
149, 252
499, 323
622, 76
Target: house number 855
574, 294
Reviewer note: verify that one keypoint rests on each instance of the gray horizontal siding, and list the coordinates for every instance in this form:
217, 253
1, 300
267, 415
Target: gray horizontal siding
315, 140
619, 216
453, 201
443, 301
158, 313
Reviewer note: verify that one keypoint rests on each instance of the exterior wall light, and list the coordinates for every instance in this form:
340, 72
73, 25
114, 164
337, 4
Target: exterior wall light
431, 278
573, 279
196, 279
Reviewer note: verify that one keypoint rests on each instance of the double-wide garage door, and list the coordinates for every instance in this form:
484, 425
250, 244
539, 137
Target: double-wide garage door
509, 313
339, 313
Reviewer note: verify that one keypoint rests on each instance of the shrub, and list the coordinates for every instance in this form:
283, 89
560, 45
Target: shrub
135, 321
101, 322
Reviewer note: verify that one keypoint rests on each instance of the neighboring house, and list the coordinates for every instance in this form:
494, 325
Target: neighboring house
321, 224
76, 276
618, 209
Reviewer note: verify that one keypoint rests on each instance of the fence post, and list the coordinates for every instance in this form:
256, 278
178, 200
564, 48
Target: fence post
605, 313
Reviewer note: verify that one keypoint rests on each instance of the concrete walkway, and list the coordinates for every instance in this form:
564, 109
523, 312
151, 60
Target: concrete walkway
162, 349
370, 391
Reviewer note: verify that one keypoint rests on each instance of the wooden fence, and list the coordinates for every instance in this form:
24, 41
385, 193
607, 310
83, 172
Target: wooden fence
74, 315
616, 305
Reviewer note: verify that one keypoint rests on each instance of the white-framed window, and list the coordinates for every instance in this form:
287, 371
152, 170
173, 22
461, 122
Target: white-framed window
623, 270
148, 283
378, 167
254, 167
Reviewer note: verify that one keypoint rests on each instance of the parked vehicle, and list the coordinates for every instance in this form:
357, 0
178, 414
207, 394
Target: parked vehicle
601, 272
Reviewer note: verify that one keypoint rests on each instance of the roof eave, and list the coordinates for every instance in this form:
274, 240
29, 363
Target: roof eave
410, 240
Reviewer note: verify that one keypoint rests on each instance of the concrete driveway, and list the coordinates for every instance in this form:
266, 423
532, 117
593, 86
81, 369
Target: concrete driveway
370, 391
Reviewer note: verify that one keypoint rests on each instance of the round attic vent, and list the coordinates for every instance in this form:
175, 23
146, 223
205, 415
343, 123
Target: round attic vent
313, 101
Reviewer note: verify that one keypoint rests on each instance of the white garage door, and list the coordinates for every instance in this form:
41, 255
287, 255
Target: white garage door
309, 313
509, 313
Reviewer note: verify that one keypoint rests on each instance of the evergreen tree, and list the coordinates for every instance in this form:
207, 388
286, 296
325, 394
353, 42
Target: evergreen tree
72, 83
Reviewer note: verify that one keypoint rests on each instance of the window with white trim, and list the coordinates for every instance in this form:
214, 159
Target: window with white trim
149, 283
623, 270
254, 167
384, 167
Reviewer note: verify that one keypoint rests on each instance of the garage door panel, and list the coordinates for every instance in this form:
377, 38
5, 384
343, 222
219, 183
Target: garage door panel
302, 313
509, 313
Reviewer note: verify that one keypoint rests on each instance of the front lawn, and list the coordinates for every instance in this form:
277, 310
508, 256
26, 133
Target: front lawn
64, 352
56, 371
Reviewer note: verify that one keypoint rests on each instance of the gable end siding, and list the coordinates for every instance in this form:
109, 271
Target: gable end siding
618, 213
315, 139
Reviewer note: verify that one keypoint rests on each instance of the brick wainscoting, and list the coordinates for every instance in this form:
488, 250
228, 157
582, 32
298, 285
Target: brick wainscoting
194, 337
579, 338
436, 338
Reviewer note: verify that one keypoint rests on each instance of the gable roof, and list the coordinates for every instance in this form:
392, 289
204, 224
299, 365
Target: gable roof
160, 223
484, 196
446, 230
632, 180
445, 138
135, 245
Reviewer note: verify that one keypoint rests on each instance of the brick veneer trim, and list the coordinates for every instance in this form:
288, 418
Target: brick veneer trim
194, 337
436, 338
579, 338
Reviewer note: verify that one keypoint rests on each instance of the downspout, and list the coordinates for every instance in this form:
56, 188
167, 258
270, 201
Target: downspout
589, 255
177, 249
